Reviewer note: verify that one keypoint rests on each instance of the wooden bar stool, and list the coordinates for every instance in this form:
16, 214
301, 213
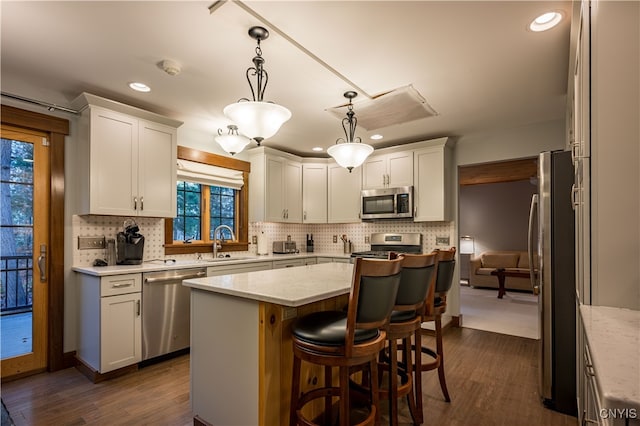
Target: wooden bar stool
346, 339
436, 305
416, 279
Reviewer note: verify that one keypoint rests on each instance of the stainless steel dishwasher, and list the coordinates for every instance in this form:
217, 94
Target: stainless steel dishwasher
166, 311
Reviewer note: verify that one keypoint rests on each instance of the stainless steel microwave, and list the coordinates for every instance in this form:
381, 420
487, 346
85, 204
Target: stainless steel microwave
387, 203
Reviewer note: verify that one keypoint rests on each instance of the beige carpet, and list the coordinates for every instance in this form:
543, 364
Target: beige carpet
515, 314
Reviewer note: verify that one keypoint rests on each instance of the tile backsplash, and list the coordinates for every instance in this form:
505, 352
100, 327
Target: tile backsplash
153, 231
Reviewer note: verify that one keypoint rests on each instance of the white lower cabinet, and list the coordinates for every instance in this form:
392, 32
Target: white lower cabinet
213, 271
323, 259
288, 263
110, 324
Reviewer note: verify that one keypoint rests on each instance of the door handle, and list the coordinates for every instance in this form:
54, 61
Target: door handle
135, 203
141, 203
138, 307
42, 263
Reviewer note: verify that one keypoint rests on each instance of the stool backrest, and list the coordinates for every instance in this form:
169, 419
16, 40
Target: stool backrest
374, 289
445, 267
416, 279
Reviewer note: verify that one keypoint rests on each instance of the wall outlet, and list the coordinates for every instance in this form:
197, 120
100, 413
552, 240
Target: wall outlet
367, 239
87, 243
254, 239
442, 241
335, 238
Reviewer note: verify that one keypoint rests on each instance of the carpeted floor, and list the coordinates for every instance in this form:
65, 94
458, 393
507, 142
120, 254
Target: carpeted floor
515, 314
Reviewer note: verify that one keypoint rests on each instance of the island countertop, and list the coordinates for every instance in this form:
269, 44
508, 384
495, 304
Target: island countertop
287, 287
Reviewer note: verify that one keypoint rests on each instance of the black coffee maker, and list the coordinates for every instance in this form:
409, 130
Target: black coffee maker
129, 244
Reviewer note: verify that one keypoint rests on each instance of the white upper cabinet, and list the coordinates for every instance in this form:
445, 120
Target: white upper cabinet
432, 181
388, 170
275, 186
127, 164
344, 194
314, 193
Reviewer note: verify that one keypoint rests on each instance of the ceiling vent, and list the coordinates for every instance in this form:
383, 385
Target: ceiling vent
395, 107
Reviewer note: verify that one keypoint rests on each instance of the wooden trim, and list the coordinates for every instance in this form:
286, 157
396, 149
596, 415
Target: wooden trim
33, 120
456, 321
198, 421
242, 220
204, 157
97, 377
57, 128
497, 172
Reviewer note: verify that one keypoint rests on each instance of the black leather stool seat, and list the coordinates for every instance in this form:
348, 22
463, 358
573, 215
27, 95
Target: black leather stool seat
329, 328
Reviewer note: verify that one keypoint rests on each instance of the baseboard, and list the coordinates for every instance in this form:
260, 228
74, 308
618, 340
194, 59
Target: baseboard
97, 377
69, 360
456, 321
198, 421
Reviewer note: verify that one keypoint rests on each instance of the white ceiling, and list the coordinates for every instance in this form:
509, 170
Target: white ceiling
475, 62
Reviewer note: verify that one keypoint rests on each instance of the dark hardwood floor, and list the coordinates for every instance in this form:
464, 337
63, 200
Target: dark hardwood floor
491, 378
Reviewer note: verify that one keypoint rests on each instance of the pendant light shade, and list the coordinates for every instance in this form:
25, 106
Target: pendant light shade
350, 152
255, 118
258, 120
232, 142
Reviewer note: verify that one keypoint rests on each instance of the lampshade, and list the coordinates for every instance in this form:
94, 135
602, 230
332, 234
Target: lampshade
350, 155
232, 142
257, 120
466, 245
351, 152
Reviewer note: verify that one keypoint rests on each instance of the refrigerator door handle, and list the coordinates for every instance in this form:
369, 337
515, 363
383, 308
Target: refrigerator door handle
532, 222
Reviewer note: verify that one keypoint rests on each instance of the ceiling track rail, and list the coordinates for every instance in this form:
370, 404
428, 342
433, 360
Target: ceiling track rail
215, 6
49, 106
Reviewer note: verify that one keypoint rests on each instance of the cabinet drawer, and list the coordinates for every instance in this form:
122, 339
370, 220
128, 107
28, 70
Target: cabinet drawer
120, 284
290, 263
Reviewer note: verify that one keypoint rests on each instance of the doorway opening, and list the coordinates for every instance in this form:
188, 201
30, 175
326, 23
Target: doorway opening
494, 200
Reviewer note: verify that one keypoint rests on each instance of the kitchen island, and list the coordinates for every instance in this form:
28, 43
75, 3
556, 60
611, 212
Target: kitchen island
241, 353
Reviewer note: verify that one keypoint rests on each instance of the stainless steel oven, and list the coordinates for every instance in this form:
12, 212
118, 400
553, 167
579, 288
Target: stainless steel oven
387, 203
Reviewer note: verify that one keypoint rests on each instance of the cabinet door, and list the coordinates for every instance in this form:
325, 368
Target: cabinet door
274, 189
400, 169
120, 331
344, 194
314, 193
429, 191
292, 190
374, 172
113, 163
157, 151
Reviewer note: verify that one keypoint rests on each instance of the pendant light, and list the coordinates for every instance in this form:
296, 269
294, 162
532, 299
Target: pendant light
232, 142
350, 152
255, 118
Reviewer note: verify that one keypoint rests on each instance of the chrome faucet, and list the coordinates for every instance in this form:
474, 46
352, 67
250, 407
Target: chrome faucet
216, 245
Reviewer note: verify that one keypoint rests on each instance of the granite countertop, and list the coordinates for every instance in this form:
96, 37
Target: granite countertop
613, 336
287, 286
163, 265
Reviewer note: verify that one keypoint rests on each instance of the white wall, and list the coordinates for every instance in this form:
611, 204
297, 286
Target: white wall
497, 145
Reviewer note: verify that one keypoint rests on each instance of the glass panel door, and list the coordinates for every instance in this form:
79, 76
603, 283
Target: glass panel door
24, 192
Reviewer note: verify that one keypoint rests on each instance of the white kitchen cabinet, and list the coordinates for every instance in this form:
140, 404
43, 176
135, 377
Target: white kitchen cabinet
324, 259
275, 184
213, 271
604, 104
344, 194
388, 171
314, 193
288, 263
432, 175
127, 162
110, 324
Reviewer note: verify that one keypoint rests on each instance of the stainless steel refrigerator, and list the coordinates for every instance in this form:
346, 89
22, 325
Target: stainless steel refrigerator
552, 254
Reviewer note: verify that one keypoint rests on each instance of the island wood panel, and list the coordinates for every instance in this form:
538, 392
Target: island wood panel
276, 361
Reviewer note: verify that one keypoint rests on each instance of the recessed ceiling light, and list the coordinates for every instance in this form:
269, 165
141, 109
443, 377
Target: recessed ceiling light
546, 21
317, 148
139, 87
376, 137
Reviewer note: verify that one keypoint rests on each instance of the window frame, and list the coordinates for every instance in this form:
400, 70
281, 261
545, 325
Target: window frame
242, 207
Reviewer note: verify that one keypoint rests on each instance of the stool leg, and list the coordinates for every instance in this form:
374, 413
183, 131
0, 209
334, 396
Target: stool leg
411, 396
375, 396
328, 383
393, 382
440, 352
344, 396
295, 392
418, 376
